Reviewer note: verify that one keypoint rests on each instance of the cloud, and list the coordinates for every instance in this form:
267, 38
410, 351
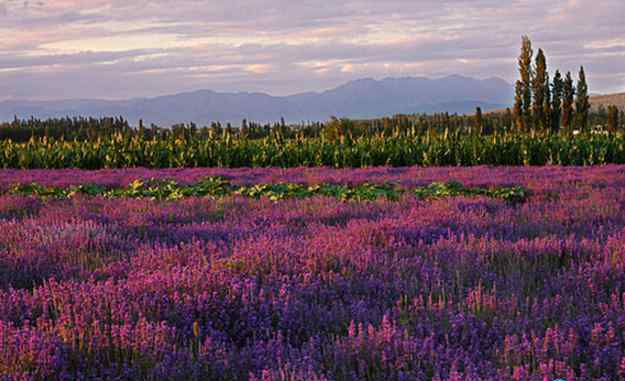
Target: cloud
51, 48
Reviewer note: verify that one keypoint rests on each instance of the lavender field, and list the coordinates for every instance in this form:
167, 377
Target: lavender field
450, 288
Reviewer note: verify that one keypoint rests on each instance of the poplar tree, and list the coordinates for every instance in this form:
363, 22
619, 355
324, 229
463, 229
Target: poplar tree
547, 104
556, 101
479, 121
518, 106
525, 70
568, 98
539, 84
613, 118
509, 119
582, 102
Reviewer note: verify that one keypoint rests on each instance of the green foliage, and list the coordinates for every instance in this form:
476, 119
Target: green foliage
540, 84
275, 192
431, 148
526, 74
170, 190
453, 189
217, 187
513, 195
582, 101
568, 99
556, 101
36, 190
362, 192
437, 189
67, 128
518, 106
613, 118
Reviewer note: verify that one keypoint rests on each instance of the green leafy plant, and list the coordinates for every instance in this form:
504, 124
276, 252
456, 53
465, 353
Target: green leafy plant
217, 187
451, 189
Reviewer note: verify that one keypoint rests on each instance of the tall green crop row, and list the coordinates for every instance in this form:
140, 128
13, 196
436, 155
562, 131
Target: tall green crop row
125, 150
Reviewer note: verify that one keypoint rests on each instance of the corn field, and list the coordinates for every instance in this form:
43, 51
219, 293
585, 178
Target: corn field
121, 150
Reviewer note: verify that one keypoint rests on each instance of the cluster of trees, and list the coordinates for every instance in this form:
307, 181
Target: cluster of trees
541, 103
21, 130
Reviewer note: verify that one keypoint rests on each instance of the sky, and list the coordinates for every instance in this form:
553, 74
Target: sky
117, 49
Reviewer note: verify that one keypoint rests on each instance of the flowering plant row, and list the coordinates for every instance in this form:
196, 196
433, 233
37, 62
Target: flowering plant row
219, 187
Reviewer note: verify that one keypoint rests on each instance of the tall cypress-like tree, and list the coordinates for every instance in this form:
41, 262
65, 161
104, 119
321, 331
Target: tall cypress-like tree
479, 120
613, 122
539, 80
509, 120
622, 120
547, 104
519, 122
582, 102
525, 70
556, 101
568, 98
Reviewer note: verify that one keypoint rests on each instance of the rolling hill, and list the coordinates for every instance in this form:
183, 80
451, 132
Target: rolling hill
364, 98
609, 99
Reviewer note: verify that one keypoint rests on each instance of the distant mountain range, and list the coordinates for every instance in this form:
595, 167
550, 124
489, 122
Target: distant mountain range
363, 98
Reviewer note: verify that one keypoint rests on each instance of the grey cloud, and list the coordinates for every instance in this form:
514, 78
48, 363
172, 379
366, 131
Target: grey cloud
218, 43
10, 61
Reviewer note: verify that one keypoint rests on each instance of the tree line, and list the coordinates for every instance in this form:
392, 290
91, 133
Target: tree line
610, 119
542, 103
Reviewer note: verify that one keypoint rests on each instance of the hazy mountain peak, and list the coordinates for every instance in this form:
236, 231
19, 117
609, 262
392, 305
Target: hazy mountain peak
361, 98
457, 77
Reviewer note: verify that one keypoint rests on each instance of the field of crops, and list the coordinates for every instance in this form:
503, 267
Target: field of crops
403, 147
457, 286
